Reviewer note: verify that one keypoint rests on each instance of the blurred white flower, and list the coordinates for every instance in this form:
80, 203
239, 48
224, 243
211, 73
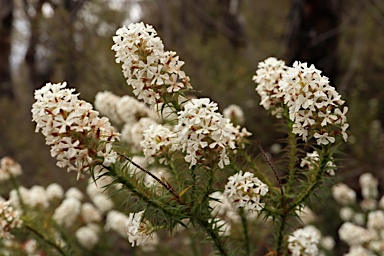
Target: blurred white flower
9, 219
88, 236
67, 212
304, 241
8, 168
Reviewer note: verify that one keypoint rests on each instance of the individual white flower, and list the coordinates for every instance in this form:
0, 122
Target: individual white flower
235, 114
88, 236
8, 168
314, 106
138, 229
116, 221
74, 193
268, 75
343, 194
54, 191
304, 242
154, 74
245, 190
89, 213
67, 212
75, 132
9, 219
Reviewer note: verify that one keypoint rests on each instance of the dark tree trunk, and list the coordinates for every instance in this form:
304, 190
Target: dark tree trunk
6, 20
312, 34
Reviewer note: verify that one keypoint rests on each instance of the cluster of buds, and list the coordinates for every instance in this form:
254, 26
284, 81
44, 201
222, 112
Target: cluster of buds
79, 138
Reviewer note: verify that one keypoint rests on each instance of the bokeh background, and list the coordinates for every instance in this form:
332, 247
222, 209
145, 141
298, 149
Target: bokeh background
221, 42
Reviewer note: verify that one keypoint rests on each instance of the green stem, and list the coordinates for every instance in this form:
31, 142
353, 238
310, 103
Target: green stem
57, 247
280, 236
245, 232
315, 181
214, 236
292, 160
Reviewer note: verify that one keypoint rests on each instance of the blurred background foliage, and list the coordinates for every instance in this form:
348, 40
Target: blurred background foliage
221, 42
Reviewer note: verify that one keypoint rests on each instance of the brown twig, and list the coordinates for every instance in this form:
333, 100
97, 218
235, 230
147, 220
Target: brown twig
167, 186
270, 164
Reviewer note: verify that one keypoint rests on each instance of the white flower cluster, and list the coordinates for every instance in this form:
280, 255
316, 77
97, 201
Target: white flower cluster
121, 110
312, 161
8, 168
268, 76
88, 236
9, 219
66, 214
138, 229
304, 242
79, 138
152, 72
363, 227
201, 127
245, 190
313, 105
